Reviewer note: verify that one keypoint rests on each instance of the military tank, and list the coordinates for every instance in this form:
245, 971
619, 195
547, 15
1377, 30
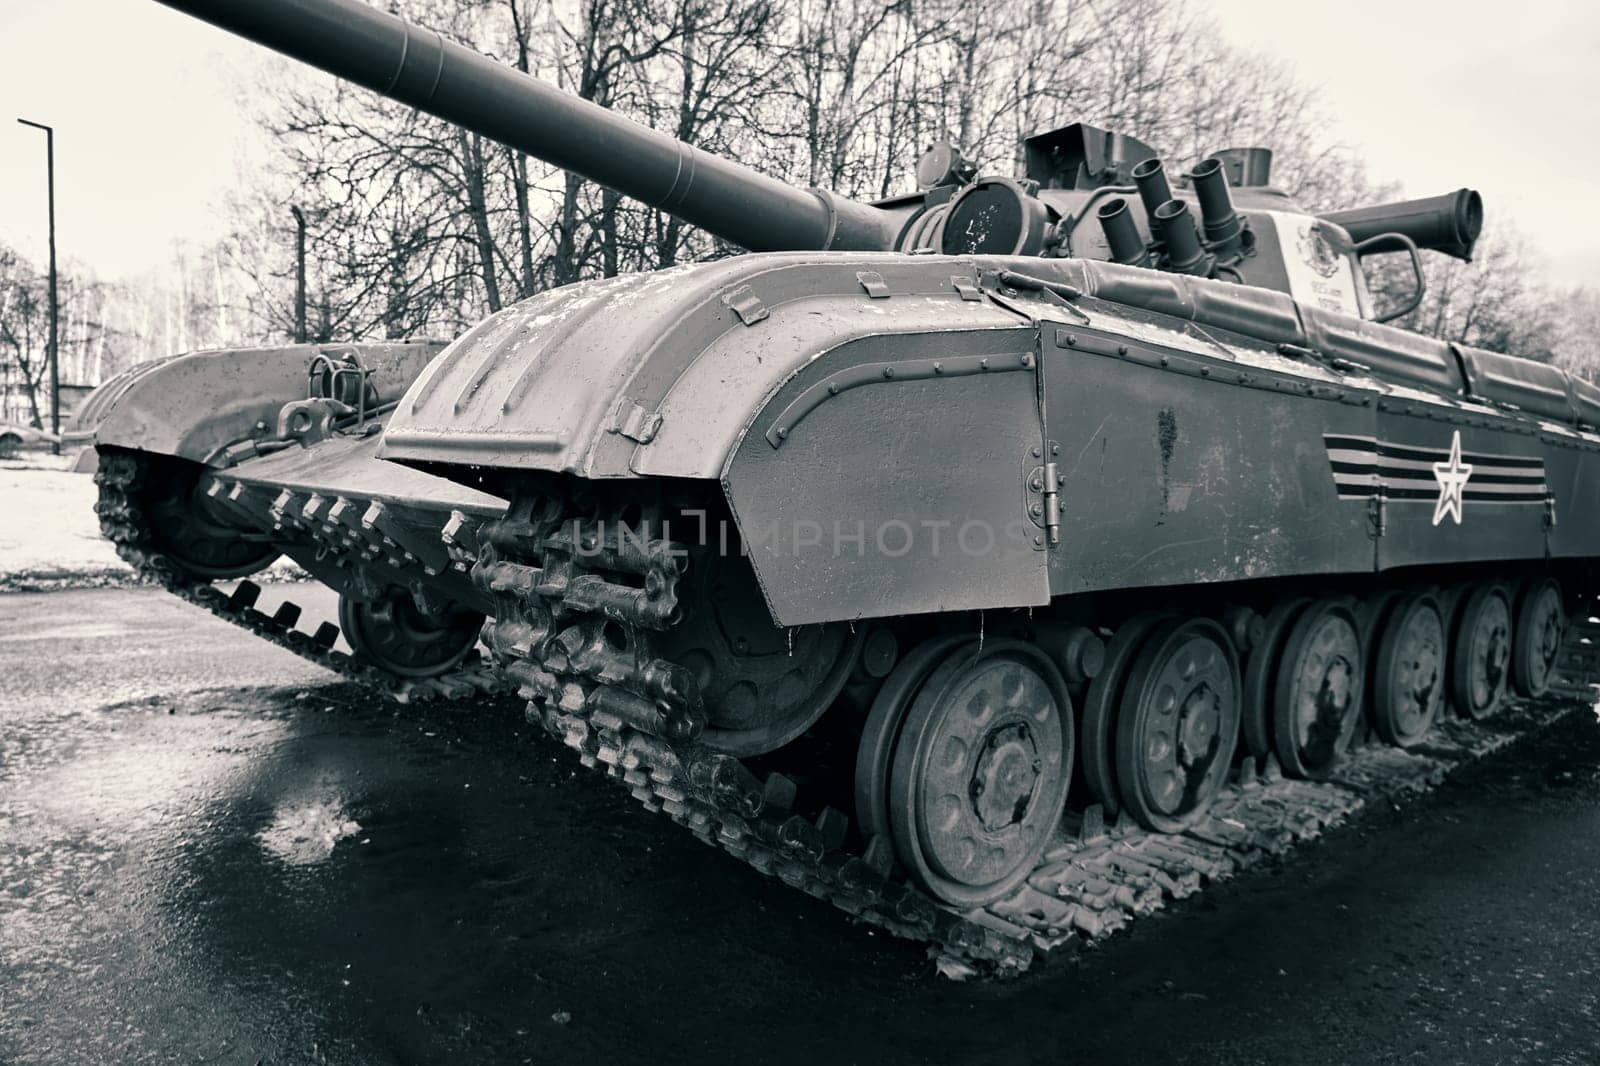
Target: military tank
990, 561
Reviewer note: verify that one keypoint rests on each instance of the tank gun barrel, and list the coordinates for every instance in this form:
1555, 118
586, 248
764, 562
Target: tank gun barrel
419, 67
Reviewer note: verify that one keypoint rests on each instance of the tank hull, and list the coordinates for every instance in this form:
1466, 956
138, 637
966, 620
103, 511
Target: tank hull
1201, 432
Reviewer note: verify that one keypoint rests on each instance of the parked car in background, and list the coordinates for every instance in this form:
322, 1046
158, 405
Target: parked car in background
14, 436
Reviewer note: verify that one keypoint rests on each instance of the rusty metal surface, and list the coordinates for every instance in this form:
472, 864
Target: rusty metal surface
193, 405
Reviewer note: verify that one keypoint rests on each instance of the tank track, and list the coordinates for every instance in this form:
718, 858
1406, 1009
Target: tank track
123, 522
558, 587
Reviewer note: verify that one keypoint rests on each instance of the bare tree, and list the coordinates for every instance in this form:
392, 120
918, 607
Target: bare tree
1577, 332
24, 328
1498, 301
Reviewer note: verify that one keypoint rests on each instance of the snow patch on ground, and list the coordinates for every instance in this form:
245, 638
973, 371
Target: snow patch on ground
49, 535
306, 831
48, 525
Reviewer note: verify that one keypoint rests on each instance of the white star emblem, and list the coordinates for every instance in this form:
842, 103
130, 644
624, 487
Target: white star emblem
1452, 478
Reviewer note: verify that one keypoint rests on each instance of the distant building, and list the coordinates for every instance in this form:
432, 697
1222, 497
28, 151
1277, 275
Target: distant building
14, 406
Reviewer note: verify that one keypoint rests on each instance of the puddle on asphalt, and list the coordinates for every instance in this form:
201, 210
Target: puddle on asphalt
305, 830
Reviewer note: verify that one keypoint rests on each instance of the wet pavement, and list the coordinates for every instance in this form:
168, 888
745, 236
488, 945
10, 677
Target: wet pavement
211, 852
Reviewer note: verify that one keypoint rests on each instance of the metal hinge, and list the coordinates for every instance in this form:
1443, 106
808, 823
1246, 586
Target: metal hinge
873, 282
1052, 503
636, 422
1043, 493
1377, 514
744, 302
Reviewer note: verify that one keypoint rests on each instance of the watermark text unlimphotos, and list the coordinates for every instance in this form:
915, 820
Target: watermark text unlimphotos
892, 538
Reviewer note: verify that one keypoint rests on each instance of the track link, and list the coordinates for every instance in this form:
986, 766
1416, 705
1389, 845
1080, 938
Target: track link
576, 604
121, 474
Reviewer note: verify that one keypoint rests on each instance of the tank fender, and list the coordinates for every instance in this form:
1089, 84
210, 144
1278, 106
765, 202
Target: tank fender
655, 375
95, 407
194, 405
890, 476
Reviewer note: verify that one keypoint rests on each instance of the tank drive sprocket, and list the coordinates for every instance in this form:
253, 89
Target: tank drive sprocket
154, 500
762, 686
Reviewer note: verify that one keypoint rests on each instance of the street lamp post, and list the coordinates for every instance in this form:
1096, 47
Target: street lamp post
55, 375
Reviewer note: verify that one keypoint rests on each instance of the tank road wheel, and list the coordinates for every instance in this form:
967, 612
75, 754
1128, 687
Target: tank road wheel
1096, 749
185, 531
1179, 724
1541, 625
1481, 652
1317, 698
1373, 613
762, 685
1408, 671
1260, 673
980, 771
396, 635
882, 731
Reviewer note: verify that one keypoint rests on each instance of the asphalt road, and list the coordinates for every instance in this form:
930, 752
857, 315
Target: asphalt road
210, 852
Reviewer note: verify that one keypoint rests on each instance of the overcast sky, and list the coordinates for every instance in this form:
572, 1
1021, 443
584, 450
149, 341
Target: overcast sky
1504, 97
